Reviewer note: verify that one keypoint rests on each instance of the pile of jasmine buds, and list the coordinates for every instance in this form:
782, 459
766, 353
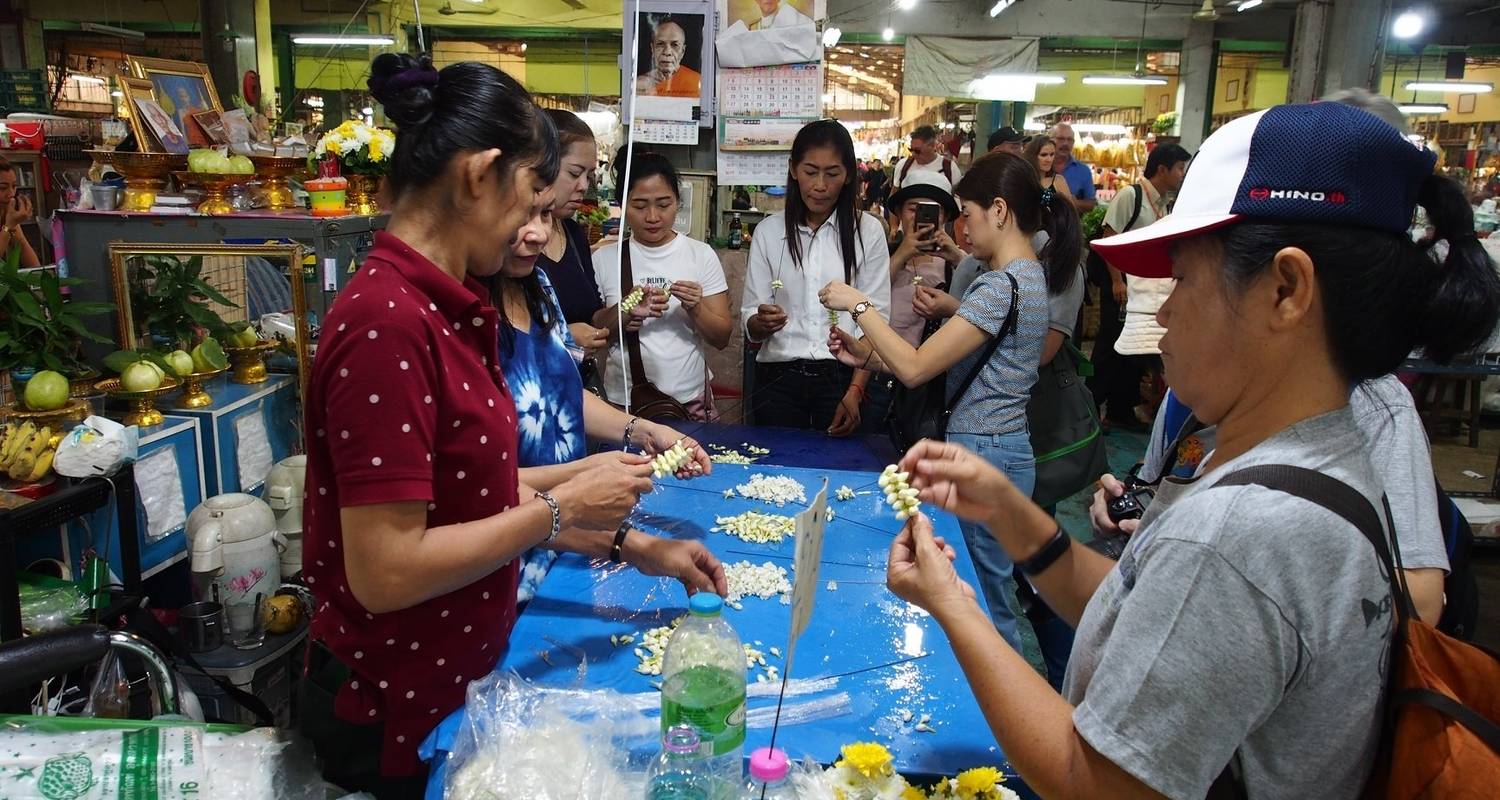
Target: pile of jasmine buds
898, 492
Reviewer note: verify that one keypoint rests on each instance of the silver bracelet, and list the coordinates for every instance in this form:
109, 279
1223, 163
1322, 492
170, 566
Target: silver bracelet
630, 429
556, 515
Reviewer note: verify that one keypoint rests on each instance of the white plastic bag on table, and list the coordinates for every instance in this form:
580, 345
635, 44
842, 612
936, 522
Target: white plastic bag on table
57, 759
527, 742
99, 446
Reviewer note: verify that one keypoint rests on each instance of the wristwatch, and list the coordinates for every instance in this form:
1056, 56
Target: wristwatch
859, 308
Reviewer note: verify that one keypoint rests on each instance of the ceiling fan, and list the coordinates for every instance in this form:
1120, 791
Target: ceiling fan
449, 11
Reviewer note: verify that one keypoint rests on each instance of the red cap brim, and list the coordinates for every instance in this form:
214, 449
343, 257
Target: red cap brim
1147, 252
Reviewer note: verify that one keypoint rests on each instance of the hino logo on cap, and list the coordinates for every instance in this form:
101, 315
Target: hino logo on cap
1262, 193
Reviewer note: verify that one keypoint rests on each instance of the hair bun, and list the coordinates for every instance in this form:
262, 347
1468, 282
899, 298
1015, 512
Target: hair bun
406, 86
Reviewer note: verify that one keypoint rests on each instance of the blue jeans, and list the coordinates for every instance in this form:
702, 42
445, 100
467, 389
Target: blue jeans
1011, 454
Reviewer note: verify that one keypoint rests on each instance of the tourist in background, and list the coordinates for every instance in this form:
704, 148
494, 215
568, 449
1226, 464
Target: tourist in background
821, 236
1080, 176
922, 254
566, 258
1006, 208
685, 294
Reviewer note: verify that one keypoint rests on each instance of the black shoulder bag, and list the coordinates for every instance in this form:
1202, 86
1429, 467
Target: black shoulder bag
922, 412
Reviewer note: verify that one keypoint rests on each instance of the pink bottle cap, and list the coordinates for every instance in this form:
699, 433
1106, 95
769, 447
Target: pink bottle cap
768, 765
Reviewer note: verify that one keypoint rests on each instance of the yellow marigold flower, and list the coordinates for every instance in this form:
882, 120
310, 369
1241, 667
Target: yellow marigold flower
334, 145
868, 759
913, 793
979, 783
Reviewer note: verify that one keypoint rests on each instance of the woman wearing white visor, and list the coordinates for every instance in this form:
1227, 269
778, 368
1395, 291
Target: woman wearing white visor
1242, 638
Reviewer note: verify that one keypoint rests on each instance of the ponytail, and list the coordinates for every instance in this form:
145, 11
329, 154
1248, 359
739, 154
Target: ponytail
1461, 310
1384, 295
1064, 249
1014, 179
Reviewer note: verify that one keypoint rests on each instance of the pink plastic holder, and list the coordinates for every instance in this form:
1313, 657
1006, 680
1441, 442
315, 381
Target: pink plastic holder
768, 765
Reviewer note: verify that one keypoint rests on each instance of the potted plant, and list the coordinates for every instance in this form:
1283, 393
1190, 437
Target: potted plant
169, 300
40, 329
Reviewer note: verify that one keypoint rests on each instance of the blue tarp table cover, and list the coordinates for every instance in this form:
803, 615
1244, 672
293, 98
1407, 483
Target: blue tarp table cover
891, 655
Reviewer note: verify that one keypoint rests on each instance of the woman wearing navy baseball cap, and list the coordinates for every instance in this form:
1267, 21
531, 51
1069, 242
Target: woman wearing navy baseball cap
1242, 640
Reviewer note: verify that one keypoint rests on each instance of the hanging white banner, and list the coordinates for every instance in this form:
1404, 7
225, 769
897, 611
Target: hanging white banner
941, 66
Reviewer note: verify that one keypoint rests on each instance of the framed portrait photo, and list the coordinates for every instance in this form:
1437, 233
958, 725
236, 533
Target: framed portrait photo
674, 56
183, 88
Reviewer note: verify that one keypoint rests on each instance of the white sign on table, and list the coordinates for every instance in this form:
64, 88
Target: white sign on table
809, 526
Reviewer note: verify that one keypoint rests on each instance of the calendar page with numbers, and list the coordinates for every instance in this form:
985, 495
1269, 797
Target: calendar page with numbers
787, 90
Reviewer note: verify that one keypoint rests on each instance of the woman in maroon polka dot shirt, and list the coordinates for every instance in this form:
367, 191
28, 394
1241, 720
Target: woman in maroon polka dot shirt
416, 513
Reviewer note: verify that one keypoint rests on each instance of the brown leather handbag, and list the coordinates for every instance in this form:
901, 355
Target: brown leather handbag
646, 401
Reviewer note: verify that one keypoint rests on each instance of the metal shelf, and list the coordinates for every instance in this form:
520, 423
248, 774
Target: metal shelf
50, 512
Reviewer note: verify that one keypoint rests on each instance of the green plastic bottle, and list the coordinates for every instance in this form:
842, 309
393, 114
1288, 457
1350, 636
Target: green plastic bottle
703, 685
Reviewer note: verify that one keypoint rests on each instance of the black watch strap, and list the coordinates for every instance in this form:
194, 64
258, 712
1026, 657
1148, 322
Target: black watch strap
615, 555
1048, 555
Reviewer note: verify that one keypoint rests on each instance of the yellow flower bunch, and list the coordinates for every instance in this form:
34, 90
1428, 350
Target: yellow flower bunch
867, 758
980, 783
354, 143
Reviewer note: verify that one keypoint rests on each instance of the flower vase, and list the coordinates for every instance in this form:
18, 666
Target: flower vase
362, 189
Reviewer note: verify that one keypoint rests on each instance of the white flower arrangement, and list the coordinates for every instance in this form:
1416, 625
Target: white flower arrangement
360, 149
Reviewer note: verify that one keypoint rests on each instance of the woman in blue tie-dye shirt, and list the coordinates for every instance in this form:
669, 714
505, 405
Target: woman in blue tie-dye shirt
556, 416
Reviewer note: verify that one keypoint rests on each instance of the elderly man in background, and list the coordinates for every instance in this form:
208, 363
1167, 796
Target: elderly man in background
669, 77
1079, 176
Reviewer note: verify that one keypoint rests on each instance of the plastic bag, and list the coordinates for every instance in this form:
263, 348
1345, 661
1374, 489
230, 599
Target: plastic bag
87, 759
46, 608
97, 447
526, 741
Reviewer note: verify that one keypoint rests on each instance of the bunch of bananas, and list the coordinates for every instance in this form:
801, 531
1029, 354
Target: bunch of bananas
26, 451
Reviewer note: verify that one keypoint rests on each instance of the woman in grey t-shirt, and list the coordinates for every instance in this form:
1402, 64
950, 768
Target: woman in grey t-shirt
1244, 636
1004, 208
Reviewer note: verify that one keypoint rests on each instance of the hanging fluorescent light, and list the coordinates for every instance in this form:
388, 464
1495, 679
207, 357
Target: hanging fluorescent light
1249, 4
111, 30
1423, 108
1138, 79
1001, 6
376, 40
1451, 87
90, 79
906, 5
831, 36
888, 34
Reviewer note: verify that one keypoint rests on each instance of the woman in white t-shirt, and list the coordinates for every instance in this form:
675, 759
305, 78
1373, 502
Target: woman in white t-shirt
685, 297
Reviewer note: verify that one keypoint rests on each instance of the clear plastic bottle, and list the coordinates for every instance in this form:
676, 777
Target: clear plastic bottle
703, 685
768, 781
679, 773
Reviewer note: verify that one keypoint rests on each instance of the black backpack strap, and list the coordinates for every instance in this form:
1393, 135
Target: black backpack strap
1135, 209
989, 349
1487, 731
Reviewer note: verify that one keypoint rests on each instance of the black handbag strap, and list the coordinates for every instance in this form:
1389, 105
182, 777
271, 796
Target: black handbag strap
632, 338
989, 350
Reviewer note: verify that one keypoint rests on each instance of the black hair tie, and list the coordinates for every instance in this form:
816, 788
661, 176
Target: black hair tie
405, 79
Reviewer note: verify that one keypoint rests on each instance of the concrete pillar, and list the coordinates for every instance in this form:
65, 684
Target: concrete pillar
1309, 38
265, 58
1357, 33
1195, 84
228, 32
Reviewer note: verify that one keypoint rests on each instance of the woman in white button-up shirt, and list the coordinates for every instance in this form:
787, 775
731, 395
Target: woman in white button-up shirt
798, 383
